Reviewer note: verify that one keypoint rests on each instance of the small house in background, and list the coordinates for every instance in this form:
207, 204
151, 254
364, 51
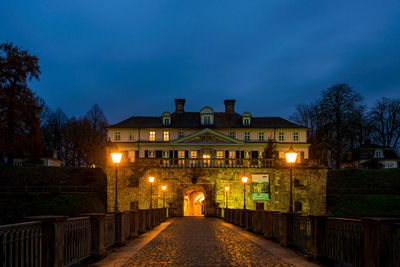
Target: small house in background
371, 156
51, 158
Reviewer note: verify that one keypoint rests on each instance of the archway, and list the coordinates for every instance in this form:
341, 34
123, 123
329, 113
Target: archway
194, 202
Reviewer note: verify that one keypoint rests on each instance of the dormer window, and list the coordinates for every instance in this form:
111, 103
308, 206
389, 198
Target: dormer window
378, 154
207, 116
246, 117
166, 118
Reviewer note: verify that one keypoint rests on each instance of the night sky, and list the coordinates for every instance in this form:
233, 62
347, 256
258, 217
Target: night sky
135, 57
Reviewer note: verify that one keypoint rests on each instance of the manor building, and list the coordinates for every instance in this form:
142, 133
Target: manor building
197, 154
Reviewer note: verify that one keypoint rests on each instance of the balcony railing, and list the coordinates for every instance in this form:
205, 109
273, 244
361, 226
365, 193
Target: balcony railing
206, 163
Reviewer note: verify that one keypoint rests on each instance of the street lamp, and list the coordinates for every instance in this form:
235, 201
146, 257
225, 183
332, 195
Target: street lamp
291, 156
164, 188
151, 180
116, 159
226, 196
244, 181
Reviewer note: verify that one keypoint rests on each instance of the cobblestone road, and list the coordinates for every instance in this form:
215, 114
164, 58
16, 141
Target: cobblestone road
196, 241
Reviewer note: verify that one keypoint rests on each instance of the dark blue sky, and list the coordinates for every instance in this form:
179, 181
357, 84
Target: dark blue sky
135, 57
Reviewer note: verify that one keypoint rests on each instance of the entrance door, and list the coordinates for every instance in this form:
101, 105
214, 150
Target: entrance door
193, 203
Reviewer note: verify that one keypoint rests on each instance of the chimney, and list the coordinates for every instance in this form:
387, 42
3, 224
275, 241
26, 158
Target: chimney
179, 106
229, 106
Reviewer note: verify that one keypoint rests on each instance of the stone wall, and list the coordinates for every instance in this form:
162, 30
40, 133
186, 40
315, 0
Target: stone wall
133, 185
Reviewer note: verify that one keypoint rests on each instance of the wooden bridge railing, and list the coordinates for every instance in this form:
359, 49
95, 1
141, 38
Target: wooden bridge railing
363, 242
63, 241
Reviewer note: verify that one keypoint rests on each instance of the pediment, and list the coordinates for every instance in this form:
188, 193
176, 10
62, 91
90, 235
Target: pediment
207, 136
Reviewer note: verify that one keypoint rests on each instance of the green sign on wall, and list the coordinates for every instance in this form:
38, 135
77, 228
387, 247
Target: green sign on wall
260, 186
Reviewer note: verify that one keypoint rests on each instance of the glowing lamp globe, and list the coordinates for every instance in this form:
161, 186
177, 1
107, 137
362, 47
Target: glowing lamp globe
291, 155
226, 188
244, 179
116, 157
151, 179
164, 187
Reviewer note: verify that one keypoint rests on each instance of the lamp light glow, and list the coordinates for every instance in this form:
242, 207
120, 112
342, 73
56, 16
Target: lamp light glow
244, 179
291, 155
151, 179
164, 187
116, 157
226, 188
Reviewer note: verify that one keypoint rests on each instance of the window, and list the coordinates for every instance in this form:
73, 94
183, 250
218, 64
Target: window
260, 154
152, 136
281, 155
131, 156
232, 154
165, 154
247, 154
181, 154
180, 134
246, 121
298, 206
295, 136
247, 136
193, 154
261, 136
232, 135
207, 120
219, 154
166, 121
152, 154
117, 136
281, 136
166, 136
378, 154
131, 136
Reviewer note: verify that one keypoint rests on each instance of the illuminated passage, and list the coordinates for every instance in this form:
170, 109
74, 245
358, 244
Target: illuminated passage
193, 203
202, 241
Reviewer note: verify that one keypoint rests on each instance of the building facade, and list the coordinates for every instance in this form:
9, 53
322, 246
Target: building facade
196, 155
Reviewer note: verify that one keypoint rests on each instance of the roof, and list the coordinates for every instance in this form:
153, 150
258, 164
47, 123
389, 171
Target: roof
367, 151
192, 120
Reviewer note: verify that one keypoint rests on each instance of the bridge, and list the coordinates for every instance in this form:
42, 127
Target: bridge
236, 237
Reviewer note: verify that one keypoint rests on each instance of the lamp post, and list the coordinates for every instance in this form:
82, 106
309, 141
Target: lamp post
116, 159
151, 180
164, 187
244, 181
226, 196
291, 156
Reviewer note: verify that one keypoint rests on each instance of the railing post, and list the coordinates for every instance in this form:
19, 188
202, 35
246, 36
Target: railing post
53, 230
286, 218
142, 221
378, 242
267, 224
318, 235
119, 231
257, 221
97, 250
134, 223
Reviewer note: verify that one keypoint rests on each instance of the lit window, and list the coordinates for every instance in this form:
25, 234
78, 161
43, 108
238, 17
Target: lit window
152, 154
193, 154
281, 155
131, 136
207, 120
117, 136
181, 154
247, 136
131, 156
232, 135
152, 136
180, 134
232, 154
166, 136
167, 121
281, 136
220, 154
246, 121
296, 136
261, 136
247, 154
165, 154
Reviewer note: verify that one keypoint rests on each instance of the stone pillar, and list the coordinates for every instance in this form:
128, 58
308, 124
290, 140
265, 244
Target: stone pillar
257, 221
147, 214
97, 235
153, 217
142, 221
242, 218
134, 225
378, 242
53, 230
318, 231
248, 220
119, 238
286, 228
267, 223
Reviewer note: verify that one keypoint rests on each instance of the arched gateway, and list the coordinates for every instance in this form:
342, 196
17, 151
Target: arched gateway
194, 201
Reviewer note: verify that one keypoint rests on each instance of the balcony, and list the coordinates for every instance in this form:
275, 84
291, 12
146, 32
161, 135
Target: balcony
206, 163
